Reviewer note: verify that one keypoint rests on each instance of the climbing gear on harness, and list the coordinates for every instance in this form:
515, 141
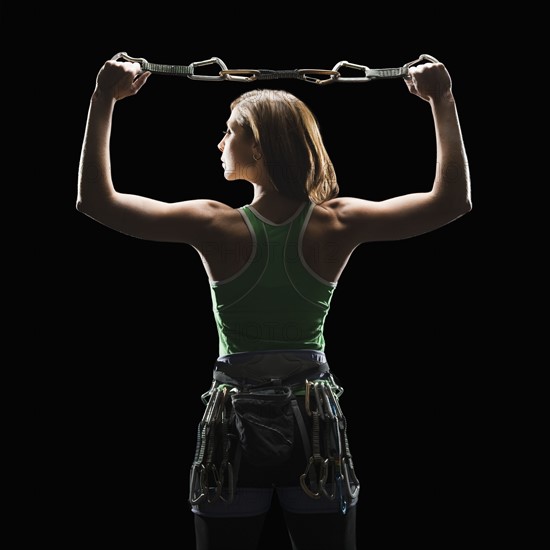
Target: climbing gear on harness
315, 76
330, 466
256, 418
207, 480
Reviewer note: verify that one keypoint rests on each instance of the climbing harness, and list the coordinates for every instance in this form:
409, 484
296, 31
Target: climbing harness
256, 420
315, 76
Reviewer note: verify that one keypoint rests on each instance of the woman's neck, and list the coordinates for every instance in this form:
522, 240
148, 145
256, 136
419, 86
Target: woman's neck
274, 206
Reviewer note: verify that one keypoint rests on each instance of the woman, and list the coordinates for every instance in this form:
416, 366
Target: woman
272, 420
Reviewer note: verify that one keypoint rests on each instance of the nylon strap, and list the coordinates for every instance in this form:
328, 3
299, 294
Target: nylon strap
173, 70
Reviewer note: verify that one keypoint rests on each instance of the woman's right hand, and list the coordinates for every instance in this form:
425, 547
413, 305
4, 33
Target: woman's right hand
120, 79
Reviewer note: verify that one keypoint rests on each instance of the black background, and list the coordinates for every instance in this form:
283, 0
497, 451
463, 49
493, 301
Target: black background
137, 341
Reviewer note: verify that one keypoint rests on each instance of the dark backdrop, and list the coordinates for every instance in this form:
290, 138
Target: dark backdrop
138, 339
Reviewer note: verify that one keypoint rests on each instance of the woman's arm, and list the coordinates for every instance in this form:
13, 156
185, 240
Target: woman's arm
449, 198
134, 215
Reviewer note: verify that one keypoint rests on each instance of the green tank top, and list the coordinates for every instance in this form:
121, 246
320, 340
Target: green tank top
275, 301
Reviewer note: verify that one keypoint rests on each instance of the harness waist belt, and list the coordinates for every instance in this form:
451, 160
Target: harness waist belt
261, 367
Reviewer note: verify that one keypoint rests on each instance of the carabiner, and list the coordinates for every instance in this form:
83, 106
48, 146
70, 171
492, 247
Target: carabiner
324, 477
331, 74
422, 57
350, 478
349, 65
207, 488
235, 74
305, 475
210, 61
126, 57
195, 482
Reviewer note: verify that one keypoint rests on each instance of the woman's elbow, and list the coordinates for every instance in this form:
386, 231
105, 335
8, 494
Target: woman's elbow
461, 208
82, 205
79, 205
88, 206
467, 205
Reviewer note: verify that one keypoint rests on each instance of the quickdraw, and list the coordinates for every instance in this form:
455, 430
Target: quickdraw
208, 481
330, 467
315, 76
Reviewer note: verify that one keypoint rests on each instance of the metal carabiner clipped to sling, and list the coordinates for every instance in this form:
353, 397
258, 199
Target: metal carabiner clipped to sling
175, 70
379, 74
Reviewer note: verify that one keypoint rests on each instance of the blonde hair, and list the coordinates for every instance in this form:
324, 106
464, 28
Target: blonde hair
290, 140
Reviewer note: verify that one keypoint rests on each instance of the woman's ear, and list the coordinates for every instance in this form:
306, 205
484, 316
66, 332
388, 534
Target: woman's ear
256, 152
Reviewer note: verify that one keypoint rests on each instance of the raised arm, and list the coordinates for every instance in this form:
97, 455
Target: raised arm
134, 215
449, 198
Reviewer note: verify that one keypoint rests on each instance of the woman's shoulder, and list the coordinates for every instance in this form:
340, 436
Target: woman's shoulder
333, 209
